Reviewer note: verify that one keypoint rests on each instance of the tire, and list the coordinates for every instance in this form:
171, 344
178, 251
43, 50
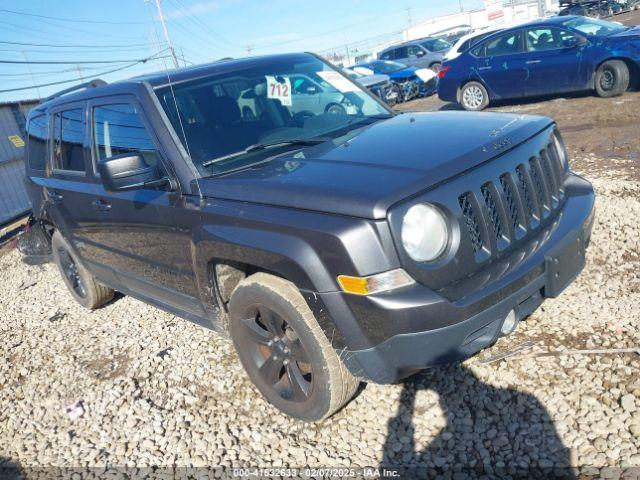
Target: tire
612, 79
474, 97
81, 284
335, 109
435, 66
299, 372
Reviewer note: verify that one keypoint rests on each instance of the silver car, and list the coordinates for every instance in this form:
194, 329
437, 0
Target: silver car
422, 53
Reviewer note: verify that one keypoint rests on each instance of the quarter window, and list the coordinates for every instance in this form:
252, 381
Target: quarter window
506, 44
118, 130
68, 134
37, 141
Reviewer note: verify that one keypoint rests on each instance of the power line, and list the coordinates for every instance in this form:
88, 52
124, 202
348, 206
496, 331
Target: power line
50, 84
74, 20
198, 22
57, 45
76, 62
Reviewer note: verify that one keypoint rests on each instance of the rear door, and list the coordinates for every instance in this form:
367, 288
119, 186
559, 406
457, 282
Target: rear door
554, 60
501, 65
139, 235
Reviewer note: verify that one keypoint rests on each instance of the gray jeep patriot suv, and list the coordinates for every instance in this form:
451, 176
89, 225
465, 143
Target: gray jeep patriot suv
333, 244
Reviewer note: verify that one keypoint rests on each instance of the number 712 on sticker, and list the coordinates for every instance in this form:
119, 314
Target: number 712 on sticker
279, 90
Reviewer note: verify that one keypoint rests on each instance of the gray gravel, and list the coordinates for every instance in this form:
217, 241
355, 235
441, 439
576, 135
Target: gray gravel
149, 389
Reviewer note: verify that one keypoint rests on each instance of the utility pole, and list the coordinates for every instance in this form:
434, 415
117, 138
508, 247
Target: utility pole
33, 79
249, 49
79, 69
409, 16
461, 7
166, 35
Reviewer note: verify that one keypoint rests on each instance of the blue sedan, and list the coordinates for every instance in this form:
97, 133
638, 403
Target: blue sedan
556, 55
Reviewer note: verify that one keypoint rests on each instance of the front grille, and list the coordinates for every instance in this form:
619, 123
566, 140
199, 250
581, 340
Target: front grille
471, 221
503, 211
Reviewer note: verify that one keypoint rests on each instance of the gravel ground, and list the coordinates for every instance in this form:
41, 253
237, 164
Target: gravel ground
152, 390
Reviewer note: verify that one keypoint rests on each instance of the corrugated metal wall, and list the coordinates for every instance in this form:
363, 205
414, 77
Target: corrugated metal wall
13, 197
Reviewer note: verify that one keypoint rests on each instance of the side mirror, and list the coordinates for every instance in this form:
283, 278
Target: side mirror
128, 172
420, 53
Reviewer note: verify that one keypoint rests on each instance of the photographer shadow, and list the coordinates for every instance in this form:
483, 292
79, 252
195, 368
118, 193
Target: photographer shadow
489, 431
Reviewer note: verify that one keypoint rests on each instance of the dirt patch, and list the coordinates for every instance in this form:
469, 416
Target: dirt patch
107, 368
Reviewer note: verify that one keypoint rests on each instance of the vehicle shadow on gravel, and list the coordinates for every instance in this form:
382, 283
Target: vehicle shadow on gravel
521, 101
10, 469
490, 431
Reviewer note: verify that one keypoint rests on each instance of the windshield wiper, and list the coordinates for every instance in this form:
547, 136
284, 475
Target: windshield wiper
266, 146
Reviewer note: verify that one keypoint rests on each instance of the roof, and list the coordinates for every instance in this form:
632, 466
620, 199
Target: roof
162, 78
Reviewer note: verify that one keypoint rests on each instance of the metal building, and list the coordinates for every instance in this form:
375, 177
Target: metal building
13, 197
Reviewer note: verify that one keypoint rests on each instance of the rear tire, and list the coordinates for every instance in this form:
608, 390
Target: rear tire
612, 79
436, 66
81, 284
284, 351
474, 97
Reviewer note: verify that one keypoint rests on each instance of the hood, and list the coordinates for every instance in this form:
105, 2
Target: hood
632, 33
382, 165
404, 73
371, 80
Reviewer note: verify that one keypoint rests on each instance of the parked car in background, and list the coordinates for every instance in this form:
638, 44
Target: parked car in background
422, 53
593, 9
331, 248
379, 85
465, 42
556, 55
411, 82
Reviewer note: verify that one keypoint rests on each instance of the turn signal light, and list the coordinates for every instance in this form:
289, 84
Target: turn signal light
375, 283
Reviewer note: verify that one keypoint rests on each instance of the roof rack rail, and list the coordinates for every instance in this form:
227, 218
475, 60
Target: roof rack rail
92, 84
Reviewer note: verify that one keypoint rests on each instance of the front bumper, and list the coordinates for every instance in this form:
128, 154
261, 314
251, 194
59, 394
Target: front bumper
431, 328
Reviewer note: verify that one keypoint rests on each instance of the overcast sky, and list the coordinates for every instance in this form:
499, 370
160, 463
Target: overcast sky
78, 32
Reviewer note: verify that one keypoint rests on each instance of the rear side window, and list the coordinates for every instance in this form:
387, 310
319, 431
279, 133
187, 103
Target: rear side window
400, 52
68, 134
506, 44
387, 55
118, 130
38, 134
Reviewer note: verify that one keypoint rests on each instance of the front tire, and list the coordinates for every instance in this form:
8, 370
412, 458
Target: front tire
436, 66
285, 352
81, 284
612, 79
474, 97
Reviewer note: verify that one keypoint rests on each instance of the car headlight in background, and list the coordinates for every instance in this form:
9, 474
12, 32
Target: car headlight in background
425, 232
562, 152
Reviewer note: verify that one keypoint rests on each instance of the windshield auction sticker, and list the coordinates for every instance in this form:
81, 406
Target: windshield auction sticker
337, 81
279, 90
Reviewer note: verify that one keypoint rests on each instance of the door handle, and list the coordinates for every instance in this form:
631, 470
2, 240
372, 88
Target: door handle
101, 206
55, 196
485, 68
533, 62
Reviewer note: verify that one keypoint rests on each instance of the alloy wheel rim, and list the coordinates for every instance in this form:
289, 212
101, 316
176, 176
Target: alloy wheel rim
473, 97
607, 80
277, 354
70, 270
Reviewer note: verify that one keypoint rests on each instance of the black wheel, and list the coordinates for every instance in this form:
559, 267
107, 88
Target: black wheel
474, 97
335, 109
284, 351
81, 284
612, 79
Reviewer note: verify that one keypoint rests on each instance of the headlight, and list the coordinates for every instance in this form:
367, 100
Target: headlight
425, 233
562, 152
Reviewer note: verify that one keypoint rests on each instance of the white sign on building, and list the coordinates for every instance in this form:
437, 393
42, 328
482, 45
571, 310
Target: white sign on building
495, 12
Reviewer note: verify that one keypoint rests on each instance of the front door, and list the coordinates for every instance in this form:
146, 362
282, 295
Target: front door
554, 61
142, 236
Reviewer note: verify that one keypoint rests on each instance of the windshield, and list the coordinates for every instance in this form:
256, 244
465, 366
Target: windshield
222, 118
591, 26
436, 45
385, 66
